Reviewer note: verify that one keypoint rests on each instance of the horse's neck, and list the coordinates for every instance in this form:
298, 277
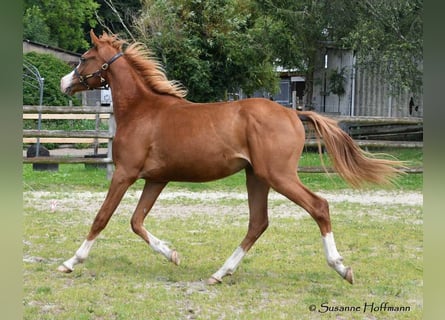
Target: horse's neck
132, 97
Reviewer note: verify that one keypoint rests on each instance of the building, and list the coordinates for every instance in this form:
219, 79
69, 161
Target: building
363, 94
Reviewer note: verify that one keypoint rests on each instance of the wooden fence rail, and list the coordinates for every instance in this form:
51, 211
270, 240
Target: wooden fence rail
60, 136
377, 120
68, 134
103, 136
62, 109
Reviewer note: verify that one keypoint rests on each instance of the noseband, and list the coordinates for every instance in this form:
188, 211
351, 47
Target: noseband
98, 73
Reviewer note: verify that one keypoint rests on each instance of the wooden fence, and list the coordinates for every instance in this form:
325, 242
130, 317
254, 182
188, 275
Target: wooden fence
69, 137
106, 136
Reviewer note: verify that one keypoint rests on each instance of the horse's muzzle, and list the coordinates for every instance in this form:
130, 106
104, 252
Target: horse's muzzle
66, 84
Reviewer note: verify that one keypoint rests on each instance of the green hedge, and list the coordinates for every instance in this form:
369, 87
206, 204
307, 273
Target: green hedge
52, 70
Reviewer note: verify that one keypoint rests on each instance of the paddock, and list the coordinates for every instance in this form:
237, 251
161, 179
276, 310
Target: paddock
281, 277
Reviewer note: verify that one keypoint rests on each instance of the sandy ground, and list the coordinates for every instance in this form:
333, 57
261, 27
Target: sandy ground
182, 203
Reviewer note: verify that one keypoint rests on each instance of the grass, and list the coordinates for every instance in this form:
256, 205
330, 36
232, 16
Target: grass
75, 176
282, 276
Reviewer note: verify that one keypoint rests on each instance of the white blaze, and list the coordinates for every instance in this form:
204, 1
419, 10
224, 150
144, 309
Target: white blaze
66, 81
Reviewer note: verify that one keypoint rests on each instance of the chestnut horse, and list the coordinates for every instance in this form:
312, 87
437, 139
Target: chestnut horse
162, 137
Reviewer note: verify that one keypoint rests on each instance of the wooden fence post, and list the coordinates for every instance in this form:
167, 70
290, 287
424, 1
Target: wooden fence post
112, 130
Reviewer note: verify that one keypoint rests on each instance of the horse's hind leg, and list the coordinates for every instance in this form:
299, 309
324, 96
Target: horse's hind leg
318, 208
149, 195
258, 191
118, 187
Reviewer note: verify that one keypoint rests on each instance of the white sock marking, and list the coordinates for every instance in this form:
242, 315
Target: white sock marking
159, 246
332, 256
80, 256
230, 265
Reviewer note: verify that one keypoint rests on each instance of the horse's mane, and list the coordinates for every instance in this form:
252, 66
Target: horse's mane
145, 64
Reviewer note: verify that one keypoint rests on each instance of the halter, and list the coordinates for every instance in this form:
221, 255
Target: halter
98, 73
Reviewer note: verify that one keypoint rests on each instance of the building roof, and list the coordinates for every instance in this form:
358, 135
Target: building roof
65, 55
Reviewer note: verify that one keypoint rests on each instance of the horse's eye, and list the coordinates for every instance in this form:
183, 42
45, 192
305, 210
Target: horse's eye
82, 59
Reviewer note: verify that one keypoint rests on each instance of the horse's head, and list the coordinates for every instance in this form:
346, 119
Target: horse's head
91, 72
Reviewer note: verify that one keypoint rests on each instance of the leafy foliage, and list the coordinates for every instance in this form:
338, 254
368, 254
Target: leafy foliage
35, 27
117, 15
385, 35
51, 69
305, 29
64, 19
212, 47
337, 81
389, 35
217, 47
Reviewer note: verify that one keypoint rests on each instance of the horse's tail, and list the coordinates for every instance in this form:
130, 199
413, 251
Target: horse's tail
352, 163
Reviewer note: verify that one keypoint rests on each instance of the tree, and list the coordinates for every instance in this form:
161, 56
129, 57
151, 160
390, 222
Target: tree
65, 20
117, 16
388, 39
212, 47
215, 47
305, 29
386, 36
337, 81
35, 27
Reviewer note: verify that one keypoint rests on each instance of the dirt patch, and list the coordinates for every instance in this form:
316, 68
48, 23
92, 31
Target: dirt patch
182, 204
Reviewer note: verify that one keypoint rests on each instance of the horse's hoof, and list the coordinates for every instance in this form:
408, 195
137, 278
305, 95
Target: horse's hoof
349, 275
64, 269
175, 258
212, 281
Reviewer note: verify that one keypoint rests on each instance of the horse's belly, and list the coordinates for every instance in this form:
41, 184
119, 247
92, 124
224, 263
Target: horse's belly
199, 168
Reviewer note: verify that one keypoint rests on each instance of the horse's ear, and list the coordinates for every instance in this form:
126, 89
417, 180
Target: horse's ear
94, 38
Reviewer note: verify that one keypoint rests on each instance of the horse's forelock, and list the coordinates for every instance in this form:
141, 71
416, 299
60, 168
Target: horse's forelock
112, 40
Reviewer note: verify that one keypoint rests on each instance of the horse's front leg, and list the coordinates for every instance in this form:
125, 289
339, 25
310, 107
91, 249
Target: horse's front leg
149, 195
118, 187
